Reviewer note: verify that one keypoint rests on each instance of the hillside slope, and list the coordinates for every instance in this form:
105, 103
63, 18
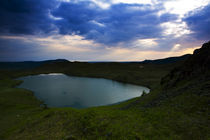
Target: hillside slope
196, 66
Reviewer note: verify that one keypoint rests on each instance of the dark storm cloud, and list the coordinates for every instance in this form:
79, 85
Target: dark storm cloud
19, 50
119, 23
199, 22
25, 16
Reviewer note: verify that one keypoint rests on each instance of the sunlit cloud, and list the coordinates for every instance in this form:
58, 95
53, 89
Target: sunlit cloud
177, 29
73, 43
146, 43
103, 4
182, 7
176, 47
133, 1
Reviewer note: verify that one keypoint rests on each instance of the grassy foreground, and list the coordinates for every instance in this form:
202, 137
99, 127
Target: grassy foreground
178, 112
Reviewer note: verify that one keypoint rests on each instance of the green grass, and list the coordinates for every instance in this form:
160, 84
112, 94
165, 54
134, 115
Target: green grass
184, 116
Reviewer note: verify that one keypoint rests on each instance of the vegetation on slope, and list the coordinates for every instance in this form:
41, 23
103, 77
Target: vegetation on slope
175, 109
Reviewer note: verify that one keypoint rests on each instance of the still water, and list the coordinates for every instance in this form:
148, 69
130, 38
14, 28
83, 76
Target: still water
60, 90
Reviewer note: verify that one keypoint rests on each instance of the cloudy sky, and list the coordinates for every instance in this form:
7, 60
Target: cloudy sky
101, 30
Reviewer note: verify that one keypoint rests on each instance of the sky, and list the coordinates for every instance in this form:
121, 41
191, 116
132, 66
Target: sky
101, 30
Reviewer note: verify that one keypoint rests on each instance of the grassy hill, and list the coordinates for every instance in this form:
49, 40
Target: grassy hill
177, 107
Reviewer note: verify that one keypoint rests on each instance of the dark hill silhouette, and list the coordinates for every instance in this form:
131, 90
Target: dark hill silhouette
27, 64
196, 66
167, 60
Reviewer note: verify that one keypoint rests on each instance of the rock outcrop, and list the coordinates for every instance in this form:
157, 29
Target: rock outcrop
196, 66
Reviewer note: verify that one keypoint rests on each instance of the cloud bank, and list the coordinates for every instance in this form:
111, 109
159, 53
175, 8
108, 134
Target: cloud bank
136, 25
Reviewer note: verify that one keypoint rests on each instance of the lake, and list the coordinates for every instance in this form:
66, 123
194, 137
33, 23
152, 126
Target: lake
60, 90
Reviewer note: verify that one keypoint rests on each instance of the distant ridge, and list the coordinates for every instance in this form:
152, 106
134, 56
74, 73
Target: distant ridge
35, 64
167, 60
156, 61
26, 64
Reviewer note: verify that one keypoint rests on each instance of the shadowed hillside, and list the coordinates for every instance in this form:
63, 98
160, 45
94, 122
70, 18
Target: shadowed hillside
193, 76
196, 66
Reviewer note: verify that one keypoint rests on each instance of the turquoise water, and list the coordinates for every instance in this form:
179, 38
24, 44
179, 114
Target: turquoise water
60, 90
